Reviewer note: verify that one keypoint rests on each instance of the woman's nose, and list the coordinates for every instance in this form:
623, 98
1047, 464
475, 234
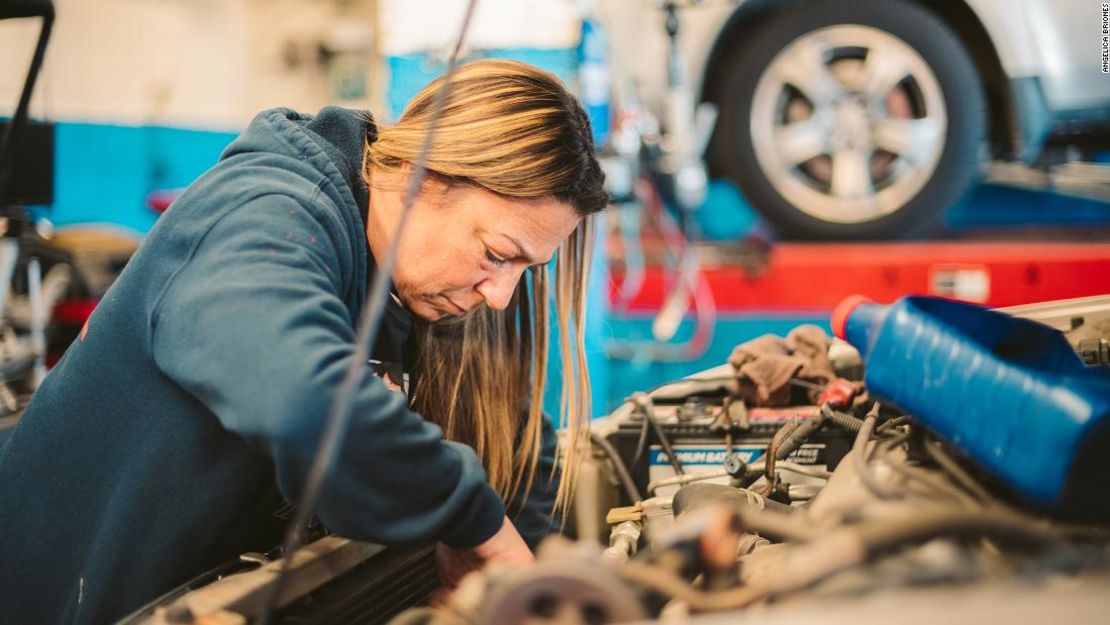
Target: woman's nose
497, 290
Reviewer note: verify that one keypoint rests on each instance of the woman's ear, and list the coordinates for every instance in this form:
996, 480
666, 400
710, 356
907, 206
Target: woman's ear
434, 187
404, 171
382, 179
401, 177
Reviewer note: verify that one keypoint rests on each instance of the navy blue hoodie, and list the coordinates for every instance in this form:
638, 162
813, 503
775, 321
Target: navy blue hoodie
191, 406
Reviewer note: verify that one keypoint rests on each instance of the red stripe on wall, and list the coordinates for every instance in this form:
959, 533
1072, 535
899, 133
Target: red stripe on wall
817, 276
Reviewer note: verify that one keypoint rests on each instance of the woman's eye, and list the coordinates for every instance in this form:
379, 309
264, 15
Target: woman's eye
497, 262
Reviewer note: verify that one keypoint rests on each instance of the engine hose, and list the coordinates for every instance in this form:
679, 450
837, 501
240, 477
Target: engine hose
641, 443
891, 424
671, 585
934, 481
841, 549
918, 524
644, 402
773, 453
680, 480
623, 474
801, 469
923, 525
860, 457
798, 437
779, 526
787, 440
946, 462
755, 471
696, 496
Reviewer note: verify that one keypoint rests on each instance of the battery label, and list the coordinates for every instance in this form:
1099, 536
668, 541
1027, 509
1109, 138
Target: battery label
710, 458
714, 455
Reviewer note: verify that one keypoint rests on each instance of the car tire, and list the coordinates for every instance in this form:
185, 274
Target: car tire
853, 183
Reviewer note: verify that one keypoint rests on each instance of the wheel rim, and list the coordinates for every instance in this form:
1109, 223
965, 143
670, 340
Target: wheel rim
848, 123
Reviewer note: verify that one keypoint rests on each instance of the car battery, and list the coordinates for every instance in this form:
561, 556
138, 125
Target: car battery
702, 437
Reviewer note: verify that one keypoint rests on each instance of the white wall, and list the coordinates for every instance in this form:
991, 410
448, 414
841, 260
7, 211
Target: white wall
408, 26
199, 63
215, 63
638, 42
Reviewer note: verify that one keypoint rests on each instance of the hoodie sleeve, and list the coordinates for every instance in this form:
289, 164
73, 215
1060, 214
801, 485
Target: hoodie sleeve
253, 328
532, 511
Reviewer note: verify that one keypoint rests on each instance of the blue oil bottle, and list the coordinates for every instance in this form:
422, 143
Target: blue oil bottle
1011, 393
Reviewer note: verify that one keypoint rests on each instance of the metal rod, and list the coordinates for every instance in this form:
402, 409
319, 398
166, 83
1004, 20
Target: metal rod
38, 321
45, 9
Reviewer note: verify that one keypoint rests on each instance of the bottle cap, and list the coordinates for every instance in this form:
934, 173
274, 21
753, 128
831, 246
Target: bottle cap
843, 310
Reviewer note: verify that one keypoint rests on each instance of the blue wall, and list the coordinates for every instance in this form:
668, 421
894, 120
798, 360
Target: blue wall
103, 173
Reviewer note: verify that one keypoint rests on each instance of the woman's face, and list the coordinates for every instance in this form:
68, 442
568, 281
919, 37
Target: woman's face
464, 246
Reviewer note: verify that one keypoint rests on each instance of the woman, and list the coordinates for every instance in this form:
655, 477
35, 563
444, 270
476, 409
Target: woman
189, 409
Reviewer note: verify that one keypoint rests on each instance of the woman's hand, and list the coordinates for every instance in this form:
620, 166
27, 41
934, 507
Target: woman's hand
504, 547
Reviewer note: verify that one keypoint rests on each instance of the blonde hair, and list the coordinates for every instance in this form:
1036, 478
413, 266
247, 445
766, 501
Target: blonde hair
515, 130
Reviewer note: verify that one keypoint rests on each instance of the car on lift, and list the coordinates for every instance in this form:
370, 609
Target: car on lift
865, 119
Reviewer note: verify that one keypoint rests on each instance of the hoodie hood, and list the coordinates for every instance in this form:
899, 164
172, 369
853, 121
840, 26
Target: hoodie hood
332, 142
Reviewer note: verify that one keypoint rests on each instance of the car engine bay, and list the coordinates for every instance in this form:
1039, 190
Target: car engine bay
702, 502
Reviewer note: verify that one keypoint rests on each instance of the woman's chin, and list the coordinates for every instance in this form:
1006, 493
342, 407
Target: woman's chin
427, 311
